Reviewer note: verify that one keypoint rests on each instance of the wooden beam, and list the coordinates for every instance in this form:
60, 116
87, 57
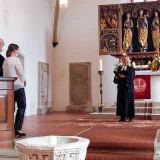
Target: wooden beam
55, 28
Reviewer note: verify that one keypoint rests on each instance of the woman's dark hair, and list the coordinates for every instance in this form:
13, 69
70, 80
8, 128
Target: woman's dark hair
12, 47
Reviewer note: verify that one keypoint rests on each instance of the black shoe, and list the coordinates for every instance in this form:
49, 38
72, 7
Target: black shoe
130, 119
19, 134
122, 119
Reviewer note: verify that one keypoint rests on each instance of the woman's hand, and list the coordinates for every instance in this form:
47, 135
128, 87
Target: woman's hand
116, 77
121, 75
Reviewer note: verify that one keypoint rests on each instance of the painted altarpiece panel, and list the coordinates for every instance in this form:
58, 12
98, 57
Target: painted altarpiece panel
108, 29
135, 30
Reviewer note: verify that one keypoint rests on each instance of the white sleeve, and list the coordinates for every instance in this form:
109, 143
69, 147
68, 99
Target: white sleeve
19, 70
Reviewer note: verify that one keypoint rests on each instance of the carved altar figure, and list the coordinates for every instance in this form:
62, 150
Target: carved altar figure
128, 25
142, 25
103, 24
112, 20
155, 31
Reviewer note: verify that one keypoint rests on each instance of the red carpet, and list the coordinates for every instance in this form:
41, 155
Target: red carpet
121, 140
119, 156
109, 139
136, 124
61, 131
112, 140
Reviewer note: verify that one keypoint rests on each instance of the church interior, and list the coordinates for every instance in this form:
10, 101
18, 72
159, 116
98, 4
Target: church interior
69, 50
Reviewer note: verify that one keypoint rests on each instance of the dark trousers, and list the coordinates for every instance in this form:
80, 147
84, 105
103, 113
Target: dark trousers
20, 98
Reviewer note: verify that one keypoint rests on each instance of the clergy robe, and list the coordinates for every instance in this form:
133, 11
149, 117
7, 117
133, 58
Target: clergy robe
125, 94
1, 64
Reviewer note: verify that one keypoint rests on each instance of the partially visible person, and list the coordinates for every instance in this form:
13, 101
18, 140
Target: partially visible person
125, 91
1, 57
12, 67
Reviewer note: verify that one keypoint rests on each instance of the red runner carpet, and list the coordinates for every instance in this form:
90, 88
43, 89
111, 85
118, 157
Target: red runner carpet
121, 140
120, 144
100, 123
112, 140
109, 139
119, 156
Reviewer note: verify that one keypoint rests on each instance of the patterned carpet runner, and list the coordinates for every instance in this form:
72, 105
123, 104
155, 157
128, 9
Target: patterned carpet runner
109, 139
112, 140
118, 156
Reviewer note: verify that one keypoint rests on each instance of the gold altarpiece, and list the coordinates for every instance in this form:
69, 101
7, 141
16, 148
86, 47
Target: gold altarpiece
131, 29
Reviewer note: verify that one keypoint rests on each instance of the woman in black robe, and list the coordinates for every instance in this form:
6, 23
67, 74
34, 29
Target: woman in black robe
125, 90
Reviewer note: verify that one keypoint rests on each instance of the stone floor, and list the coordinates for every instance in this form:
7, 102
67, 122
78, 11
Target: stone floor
42, 125
36, 126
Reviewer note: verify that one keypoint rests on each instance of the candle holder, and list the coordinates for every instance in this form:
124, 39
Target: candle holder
101, 105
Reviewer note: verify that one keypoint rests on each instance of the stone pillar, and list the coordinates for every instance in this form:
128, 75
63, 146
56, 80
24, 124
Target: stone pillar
80, 87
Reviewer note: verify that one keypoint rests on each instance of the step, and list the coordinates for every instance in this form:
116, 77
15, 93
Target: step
140, 116
155, 104
143, 103
9, 154
137, 110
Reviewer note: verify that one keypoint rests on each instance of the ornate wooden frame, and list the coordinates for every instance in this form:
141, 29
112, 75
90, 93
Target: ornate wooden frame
122, 8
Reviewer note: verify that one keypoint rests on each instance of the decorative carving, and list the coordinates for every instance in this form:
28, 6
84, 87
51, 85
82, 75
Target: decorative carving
139, 34
128, 34
78, 154
43, 83
135, 7
58, 148
80, 87
109, 17
108, 25
108, 42
142, 15
80, 83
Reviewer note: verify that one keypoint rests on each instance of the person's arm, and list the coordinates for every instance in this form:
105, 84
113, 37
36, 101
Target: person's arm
116, 77
130, 78
19, 71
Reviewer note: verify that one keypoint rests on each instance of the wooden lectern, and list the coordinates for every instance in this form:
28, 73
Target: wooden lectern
7, 133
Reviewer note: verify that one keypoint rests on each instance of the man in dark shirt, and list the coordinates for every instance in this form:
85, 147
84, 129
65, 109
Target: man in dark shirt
1, 57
